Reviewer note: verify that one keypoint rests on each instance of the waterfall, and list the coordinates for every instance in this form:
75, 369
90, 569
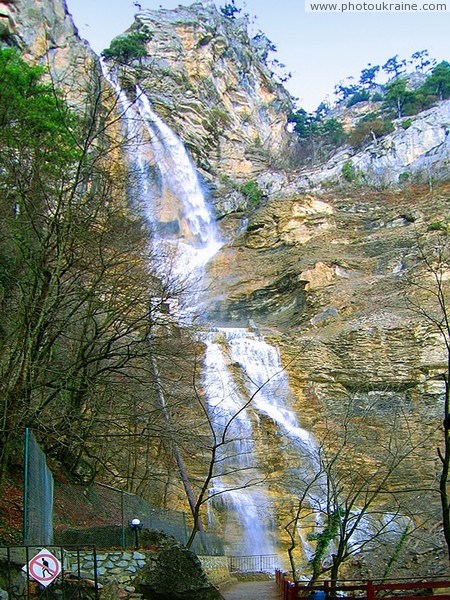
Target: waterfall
240, 489
168, 188
166, 185
259, 387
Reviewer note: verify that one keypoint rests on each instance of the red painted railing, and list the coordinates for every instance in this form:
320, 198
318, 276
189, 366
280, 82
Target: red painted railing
370, 590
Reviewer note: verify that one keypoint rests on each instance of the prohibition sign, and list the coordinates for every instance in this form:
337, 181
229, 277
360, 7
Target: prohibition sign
44, 567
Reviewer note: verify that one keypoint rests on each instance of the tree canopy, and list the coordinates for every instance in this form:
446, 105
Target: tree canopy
125, 48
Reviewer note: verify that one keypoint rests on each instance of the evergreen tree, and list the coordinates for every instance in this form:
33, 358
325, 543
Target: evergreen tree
393, 67
230, 9
438, 83
401, 99
368, 76
126, 48
422, 60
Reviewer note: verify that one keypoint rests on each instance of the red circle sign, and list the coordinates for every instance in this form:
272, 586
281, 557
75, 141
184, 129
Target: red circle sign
44, 567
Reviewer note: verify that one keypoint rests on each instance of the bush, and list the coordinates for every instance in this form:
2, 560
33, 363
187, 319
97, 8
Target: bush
252, 192
404, 177
349, 171
367, 131
360, 96
437, 226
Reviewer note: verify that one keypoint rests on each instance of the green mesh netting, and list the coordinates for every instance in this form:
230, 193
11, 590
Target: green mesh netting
38, 495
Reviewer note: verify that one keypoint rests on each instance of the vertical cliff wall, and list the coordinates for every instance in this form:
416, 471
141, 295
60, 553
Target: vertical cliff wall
209, 80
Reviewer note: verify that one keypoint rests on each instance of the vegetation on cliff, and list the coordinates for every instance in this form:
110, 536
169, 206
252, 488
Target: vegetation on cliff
322, 132
76, 361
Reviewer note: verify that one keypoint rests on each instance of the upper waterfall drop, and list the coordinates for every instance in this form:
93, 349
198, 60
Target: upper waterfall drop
197, 235
167, 187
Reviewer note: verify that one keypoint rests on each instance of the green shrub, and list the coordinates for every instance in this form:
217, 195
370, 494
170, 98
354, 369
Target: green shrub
359, 96
252, 192
437, 226
367, 131
349, 171
404, 177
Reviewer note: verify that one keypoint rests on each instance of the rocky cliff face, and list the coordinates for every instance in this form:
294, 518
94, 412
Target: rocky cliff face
210, 82
421, 152
328, 279
45, 32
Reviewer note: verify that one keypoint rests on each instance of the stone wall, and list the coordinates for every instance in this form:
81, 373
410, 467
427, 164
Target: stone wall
216, 568
118, 566
121, 566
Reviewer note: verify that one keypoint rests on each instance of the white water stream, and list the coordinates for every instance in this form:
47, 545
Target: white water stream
243, 378
186, 234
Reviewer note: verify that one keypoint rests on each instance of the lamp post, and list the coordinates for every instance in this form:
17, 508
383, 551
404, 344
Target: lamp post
137, 526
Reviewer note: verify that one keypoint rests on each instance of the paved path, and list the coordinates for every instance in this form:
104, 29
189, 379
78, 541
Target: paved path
252, 590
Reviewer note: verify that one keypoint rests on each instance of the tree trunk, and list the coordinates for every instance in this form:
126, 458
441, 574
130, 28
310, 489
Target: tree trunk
198, 526
445, 459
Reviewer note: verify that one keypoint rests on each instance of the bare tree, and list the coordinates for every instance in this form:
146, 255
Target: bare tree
346, 510
429, 299
76, 275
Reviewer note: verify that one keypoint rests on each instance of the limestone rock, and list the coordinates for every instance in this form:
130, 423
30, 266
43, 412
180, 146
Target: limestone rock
44, 32
173, 573
420, 152
209, 81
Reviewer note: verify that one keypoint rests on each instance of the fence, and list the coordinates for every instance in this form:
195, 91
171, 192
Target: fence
100, 515
38, 494
17, 566
253, 563
370, 590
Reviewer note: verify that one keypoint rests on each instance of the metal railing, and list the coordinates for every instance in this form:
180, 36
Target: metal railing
253, 563
369, 590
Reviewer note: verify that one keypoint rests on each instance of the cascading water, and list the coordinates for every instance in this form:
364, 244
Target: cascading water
258, 387
167, 185
196, 237
240, 488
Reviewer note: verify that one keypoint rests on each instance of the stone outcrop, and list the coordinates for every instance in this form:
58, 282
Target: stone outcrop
421, 152
173, 573
361, 362
210, 82
324, 275
45, 32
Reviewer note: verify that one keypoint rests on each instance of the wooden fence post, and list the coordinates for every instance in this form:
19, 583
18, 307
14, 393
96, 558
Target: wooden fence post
291, 590
369, 590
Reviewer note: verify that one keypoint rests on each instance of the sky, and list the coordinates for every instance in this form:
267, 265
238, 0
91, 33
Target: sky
319, 49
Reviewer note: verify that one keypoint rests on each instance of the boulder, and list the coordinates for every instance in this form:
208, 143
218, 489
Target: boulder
172, 572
